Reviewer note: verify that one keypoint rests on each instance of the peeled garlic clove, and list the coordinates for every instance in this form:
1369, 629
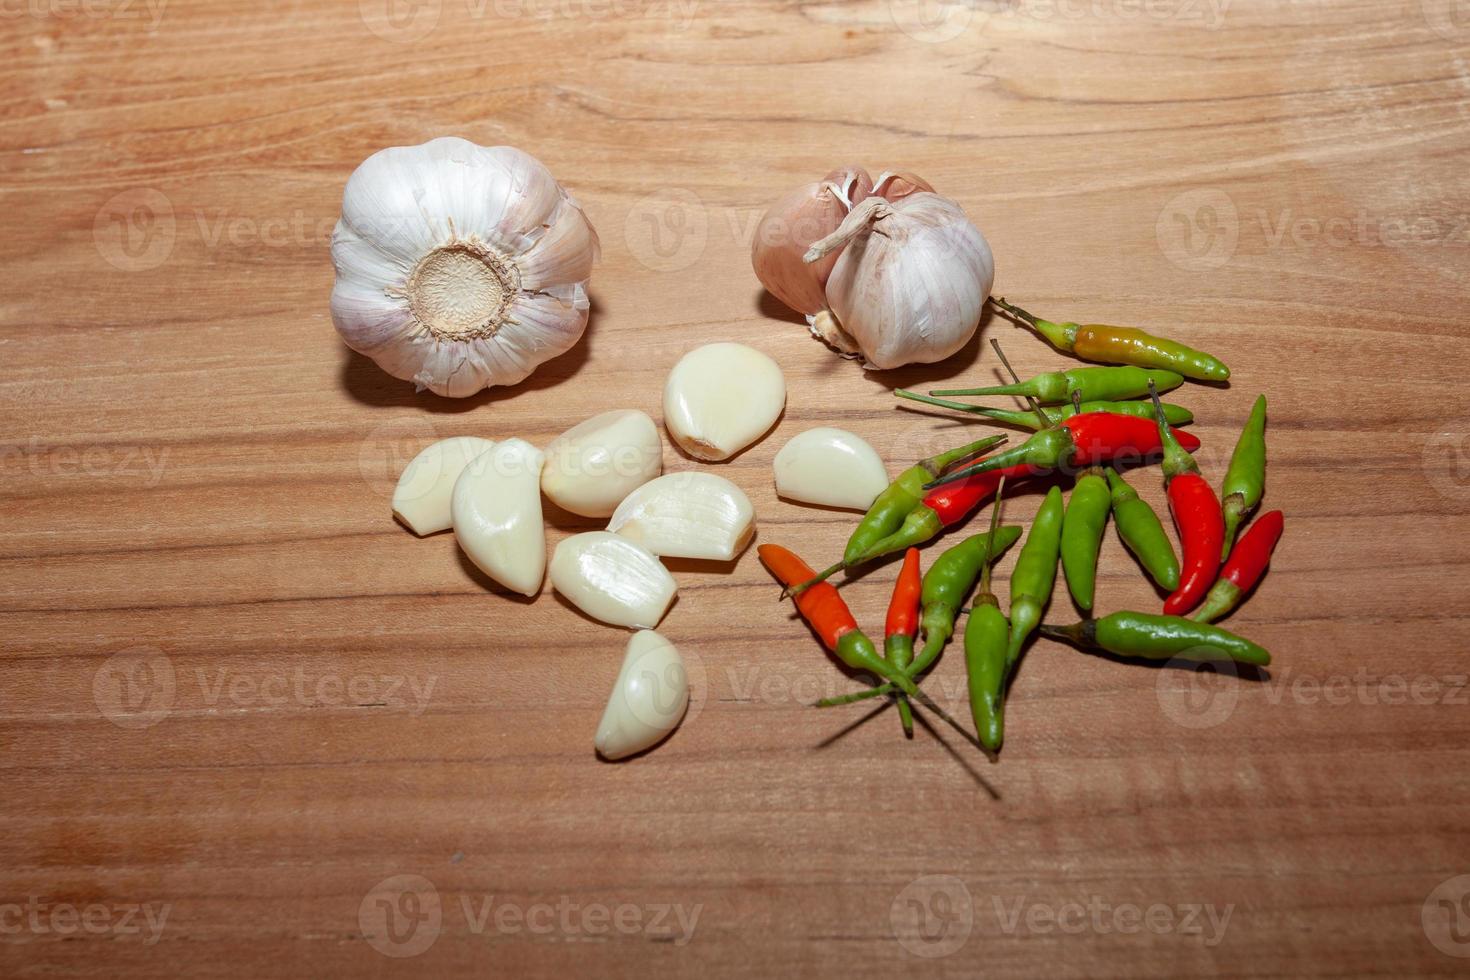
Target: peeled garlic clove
593, 465
612, 579
647, 702
911, 280
421, 499
687, 515
830, 467
720, 398
811, 212
496, 506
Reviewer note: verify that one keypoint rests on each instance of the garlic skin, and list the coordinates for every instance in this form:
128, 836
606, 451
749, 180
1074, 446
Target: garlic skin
612, 579
809, 213
593, 465
720, 398
648, 699
459, 267
911, 280
830, 467
894, 185
421, 499
687, 515
496, 506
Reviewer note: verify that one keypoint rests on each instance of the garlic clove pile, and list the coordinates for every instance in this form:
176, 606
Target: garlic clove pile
421, 499
687, 515
496, 506
911, 280
648, 700
830, 467
612, 579
789, 227
459, 266
592, 466
722, 397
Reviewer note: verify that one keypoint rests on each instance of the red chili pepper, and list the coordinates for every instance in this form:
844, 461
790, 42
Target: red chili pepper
1246, 567
1101, 437
1088, 439
902, 624
953, 502
1201, 524
1197, 515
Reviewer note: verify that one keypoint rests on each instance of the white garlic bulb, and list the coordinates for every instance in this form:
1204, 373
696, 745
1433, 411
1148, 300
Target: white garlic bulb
911, 281
808, 214
459, 266
902, 280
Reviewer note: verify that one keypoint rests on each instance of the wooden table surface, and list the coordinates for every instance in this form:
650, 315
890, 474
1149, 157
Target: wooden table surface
249, 726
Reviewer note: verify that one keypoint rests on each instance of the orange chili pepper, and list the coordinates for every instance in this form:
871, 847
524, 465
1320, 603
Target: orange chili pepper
827, 612
903, 610
819, 605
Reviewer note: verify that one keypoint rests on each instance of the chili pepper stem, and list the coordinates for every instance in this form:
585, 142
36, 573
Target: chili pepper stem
795, 590
1012, 311
943, 461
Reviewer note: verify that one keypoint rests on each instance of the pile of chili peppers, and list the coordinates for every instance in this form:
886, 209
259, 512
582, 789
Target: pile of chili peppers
1096, 425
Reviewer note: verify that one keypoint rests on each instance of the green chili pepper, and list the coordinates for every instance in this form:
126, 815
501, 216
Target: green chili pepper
986, 636
1147, 636
1035, 573
1176, 414
902, 496
1121, 345
1245, 480
1143, 533
946, 584
1082, 531
1088, 384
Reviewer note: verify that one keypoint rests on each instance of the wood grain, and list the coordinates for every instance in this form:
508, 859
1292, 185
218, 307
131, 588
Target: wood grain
196, 476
